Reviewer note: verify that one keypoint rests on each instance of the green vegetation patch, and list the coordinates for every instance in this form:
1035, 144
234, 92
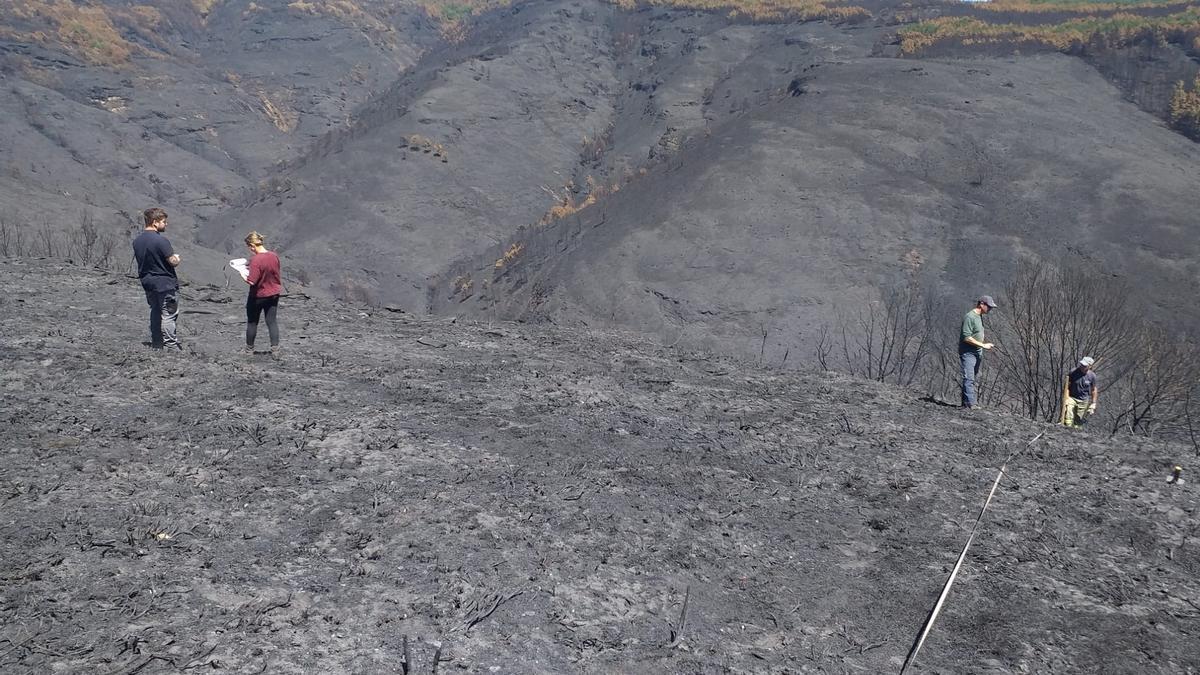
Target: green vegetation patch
455, 12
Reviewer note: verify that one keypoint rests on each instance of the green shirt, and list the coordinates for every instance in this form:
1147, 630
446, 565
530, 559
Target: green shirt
972, 327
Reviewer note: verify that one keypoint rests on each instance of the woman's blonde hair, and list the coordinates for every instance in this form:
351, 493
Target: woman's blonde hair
255, 239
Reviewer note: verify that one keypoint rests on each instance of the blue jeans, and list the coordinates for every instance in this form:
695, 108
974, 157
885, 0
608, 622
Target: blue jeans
971, 360
164, 310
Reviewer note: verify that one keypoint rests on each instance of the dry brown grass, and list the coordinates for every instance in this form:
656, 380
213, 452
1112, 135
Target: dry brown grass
453, 16
86, 32
146, 15
463, 284
568, 201
509, 255
280, 114
566, 207
1079, 6
95, 34
99, 33
766, 10
419, 143
1185, 109
205, 7
91, 35
373, 16
1115, 30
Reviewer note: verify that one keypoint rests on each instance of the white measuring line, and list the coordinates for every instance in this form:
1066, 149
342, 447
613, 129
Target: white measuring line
937, 608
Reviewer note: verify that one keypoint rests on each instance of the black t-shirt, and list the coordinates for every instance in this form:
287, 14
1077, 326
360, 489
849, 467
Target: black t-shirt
152, 250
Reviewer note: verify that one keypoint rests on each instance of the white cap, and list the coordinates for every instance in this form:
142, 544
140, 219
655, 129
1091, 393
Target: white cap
1087, 361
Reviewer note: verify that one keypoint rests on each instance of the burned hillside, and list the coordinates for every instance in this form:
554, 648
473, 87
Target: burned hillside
532, 499
734, 173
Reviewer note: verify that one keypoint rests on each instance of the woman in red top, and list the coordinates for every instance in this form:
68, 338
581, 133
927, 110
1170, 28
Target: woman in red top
265, 287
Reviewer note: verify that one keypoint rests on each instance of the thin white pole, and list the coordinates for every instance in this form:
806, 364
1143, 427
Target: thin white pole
937, 608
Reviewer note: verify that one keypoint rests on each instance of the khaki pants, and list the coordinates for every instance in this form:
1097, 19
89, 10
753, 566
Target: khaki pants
1076, 413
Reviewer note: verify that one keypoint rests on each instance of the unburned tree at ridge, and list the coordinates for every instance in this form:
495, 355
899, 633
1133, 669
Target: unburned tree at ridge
1185, 108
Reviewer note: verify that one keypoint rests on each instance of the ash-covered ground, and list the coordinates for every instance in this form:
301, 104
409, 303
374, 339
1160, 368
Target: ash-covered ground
538, 500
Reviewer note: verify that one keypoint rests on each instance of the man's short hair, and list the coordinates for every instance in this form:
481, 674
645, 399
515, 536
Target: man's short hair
154, 215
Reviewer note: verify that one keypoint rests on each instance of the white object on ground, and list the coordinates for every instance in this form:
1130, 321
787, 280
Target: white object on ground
241, 266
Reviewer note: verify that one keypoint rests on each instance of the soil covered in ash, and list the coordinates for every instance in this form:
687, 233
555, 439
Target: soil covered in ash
525, 499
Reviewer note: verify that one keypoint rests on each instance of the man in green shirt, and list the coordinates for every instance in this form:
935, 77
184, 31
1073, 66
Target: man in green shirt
971, 347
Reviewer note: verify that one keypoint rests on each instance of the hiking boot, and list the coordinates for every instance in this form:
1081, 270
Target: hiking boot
276, 352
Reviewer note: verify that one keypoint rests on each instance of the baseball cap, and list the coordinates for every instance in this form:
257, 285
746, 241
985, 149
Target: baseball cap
987, 300
1087, 361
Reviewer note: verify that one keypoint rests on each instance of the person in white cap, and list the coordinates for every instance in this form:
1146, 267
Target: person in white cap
1082, 393
971, 347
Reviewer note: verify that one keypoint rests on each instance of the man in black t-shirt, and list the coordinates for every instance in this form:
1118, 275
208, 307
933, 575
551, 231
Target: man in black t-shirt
1082, 393
156, 262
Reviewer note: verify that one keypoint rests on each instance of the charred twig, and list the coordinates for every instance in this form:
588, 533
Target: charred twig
437, 659
257, 614
35, 570
130, 670
132, 644
846, 427
200, 660
18, 645
270, 607
407, 667
874, 645
496, 602
677, 631
144, 612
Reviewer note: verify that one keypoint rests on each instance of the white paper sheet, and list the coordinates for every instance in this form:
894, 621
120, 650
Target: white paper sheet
241, 266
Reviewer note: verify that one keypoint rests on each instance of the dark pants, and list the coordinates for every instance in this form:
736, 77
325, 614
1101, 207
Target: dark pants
971, 359
164, 311
256, 307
